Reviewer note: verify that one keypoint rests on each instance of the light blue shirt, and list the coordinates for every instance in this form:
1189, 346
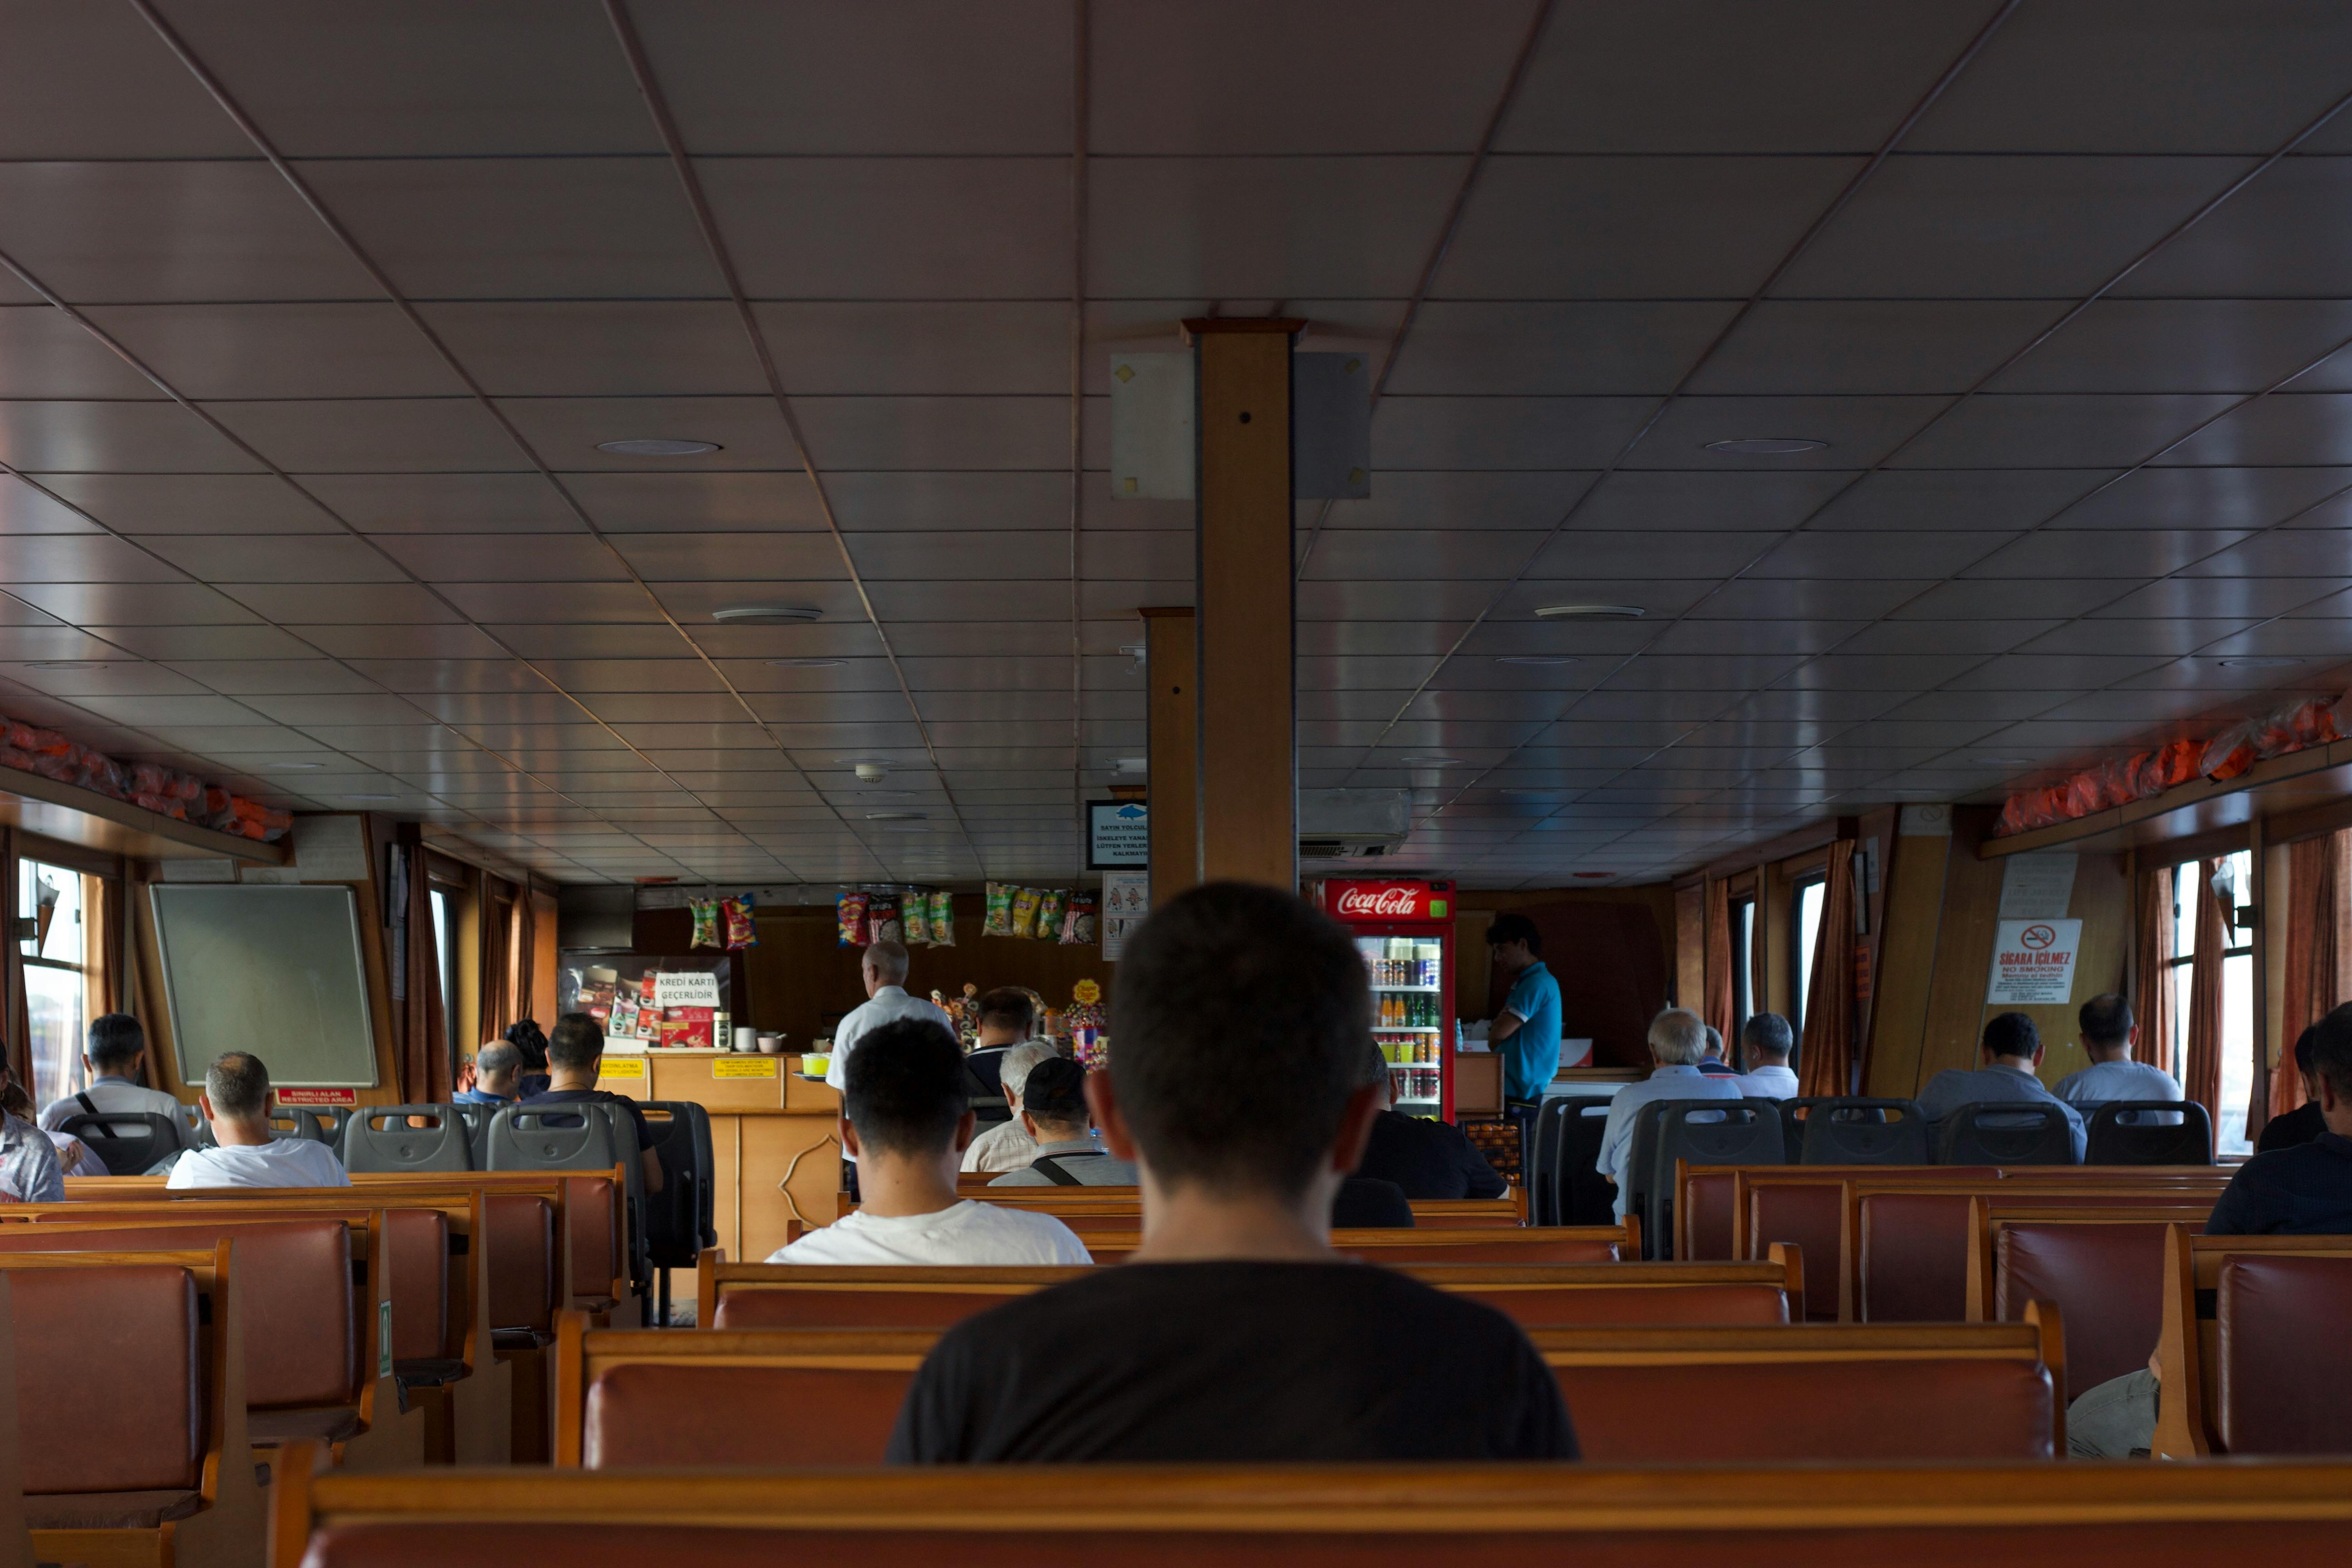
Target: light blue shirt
1770, 1083
1950, 1090
2102, 1081
1665, 1083
29, 1163
1531, 1054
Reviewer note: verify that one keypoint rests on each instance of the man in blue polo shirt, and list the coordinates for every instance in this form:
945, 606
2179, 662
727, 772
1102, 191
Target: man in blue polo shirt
1526, 1031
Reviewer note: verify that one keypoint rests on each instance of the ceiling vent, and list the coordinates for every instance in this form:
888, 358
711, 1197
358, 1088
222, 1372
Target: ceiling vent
1352, 824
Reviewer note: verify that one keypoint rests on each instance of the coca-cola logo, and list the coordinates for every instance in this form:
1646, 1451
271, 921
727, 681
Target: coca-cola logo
1404, 900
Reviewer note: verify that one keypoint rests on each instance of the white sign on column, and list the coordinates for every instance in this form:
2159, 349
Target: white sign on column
2033, 962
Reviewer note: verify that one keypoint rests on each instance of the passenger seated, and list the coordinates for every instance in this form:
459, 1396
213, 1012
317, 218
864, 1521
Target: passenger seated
2305, 1121
575, 1059
1765, 1042
1006, 1021
1054, 1111
2305, 1190
1235, 1333
1423, 1158
29, 1166
495, 1069
905, 1116
75, 1157
114, 1055
2108, 1033
2013, 1049
1712, 1064
1678, 1041
526, 1038
236, 1100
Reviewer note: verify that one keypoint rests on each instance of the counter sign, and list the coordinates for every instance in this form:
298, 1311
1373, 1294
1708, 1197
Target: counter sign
1119, 834
2033, 962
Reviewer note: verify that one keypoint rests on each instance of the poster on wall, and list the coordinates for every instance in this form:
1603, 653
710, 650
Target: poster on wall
2034, 964
1125, 899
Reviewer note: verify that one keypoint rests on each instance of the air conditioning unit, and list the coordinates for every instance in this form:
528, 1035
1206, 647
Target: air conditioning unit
1352, 824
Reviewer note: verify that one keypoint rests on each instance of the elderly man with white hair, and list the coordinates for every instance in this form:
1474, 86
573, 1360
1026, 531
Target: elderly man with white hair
1677, 1042
1007, 1146
884, 970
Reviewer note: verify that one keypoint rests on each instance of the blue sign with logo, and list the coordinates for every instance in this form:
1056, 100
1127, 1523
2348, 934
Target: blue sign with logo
1119, 834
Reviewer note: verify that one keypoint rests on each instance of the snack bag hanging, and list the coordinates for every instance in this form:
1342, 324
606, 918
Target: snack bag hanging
882, 918
942, 918
1078, 925
742, 929
849, 920
915, 917
1050, 904
1024, 913
706, 922
998, 920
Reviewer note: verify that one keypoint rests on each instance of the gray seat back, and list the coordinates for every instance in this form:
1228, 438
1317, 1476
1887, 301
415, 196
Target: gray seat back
2005, 1132
1854, 1129
2170, 1132
381, 1139
127, 1142
550, 1138
1705, 1132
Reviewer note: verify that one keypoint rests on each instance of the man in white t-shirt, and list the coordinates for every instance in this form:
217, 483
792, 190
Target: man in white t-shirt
906, 1117
884, 970
2108, 1033
115, 1051
236, 1100
1007, 1146
1765, 1042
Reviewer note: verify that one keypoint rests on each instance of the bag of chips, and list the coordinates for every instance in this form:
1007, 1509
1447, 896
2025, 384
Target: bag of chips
915, 917
706, 922
742, 931
849, 920
1050, 905
1078, 925
882, 918
942, 914
998, 920
1024, 913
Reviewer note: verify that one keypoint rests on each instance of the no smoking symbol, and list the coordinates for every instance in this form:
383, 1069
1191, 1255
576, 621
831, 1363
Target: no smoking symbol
2037, 937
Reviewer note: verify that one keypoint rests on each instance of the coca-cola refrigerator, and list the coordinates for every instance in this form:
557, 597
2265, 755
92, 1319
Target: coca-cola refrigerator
1404, 929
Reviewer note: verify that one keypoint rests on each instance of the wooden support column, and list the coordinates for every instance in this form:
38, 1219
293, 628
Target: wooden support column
1171, 745
1248, 772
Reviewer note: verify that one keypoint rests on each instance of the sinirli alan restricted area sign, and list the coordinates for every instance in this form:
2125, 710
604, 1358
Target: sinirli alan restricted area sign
2033, 962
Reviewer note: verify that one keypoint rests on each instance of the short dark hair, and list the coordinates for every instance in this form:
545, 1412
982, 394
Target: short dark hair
1515, 927
1241, 1017
2105, 1021
1008, 1006
905, 1090
2303, 1045
1768, 1034
2011, 1034
115, 1041
2331, 1053
1055, 1091
237, 1085
577, 1042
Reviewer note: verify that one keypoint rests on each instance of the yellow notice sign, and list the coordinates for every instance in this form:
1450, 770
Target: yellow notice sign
742, 1067
621, 1066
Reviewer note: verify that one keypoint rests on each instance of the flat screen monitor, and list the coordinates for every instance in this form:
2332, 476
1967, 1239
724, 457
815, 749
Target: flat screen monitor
275, 971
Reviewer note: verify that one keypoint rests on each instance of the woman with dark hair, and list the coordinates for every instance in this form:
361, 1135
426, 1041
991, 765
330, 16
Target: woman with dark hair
524, 1035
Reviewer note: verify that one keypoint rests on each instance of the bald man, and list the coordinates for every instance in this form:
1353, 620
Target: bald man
884, 970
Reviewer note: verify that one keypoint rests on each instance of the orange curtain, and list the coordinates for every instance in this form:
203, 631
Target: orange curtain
2315, 952
2201, 1077
422, 1045
2151, 999
1715, 1009
498, 963
1826, 1059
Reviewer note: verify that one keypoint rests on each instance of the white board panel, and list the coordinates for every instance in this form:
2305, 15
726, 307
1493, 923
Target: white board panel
275, 971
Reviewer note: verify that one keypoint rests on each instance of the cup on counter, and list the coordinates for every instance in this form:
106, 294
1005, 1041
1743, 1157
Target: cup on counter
747, 1038
770, 1044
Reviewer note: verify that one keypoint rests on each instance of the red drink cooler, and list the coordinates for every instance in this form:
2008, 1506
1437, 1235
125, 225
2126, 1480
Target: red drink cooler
1405, 931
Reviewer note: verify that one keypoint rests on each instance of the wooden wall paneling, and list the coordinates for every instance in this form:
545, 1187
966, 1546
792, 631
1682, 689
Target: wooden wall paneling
1910, 921
1963, 960
2102, 902
540, 1006
1690, 946
1171, 747
1474, 974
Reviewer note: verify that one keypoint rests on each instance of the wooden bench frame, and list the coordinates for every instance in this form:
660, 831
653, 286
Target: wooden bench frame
584, 1353
227, 1530
1987, 1216
1504, 1211
1754, 1510
2185, 1427
16, 1541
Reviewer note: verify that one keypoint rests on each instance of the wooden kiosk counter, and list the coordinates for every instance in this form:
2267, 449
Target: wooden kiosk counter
776, 1151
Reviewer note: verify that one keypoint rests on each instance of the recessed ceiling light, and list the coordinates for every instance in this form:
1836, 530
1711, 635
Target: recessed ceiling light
1434, 762
765, 615
1765, 446
806, 663
1534, 660
293, 767
1565, 612
2259, 661
656, 446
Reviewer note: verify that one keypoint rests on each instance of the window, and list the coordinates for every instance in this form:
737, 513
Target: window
1805, 920
60, 943
1743, 964
2234, 887
445, 951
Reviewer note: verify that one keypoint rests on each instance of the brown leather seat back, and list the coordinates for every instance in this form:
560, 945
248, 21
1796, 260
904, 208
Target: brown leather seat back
1810, 1216
522, 1262
686, 1415
1505, 1252
1857, 1411
1915, 1258
2108, 1282
419, 1240
296, 1300
1708, 1202
109, 1379
875, 1308
1549, 1307
2285, 1362
596, 1230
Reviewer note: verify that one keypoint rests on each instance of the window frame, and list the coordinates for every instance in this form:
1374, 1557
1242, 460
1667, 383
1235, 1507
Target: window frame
1743, 912
27, 851
1799, 977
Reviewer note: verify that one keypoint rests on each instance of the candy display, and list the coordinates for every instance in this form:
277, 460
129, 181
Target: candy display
915, 917
1078, 924
942, 904
849, 920
706, 922
742, 931
998, 920
1051, 902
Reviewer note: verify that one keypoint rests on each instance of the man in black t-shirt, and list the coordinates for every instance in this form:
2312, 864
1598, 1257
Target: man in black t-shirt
1427, 1159
575, 1055
1235, 1333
